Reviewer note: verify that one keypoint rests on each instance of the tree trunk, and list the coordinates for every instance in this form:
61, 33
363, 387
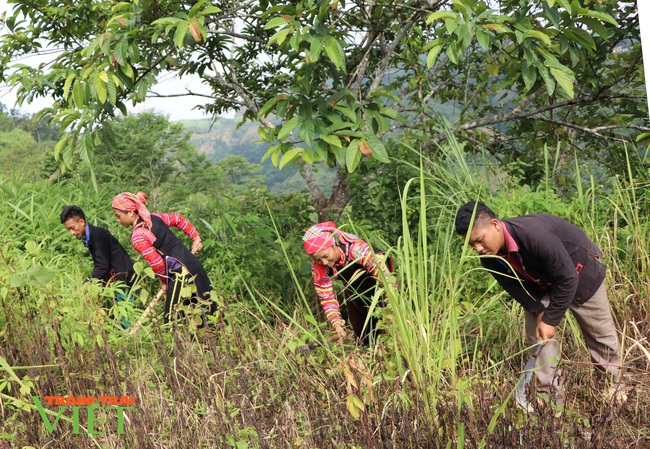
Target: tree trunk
327, 208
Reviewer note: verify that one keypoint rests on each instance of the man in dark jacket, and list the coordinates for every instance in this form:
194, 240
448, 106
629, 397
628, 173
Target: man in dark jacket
548, 265
112, 263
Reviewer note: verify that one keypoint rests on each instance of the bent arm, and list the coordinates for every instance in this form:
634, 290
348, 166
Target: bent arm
180, 222
363, 253
326, 294
142, 240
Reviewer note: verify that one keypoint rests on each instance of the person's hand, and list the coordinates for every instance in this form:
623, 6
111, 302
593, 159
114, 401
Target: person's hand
163, 286
340, 330
544, 332
196, 245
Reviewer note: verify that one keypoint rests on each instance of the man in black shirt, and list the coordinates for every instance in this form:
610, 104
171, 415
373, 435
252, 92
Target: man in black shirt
549, 266
112, 263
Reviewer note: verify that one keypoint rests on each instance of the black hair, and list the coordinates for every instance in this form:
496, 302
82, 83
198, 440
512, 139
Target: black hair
72, 211
467, 211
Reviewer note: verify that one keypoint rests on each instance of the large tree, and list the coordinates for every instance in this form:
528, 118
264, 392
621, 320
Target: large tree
337, 77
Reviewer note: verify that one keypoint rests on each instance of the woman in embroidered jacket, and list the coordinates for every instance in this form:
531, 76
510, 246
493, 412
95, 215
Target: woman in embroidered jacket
173, 262
341, 255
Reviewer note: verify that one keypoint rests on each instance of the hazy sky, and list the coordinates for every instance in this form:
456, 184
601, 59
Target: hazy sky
178, 108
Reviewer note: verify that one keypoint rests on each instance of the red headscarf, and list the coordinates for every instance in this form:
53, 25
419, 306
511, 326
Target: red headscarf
318, 237
126, 201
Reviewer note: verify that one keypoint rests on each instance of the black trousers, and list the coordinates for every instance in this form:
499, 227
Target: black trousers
178, 278
360, 288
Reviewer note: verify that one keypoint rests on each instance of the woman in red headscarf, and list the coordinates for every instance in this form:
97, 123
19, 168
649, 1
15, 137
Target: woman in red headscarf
341, 255
173, 262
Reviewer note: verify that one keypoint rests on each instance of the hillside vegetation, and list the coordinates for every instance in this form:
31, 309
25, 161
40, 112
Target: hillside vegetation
442, 374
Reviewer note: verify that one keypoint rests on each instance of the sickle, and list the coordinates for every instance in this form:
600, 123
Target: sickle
529, 368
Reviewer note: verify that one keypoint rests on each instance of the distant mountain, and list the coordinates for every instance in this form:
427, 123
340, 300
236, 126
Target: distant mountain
225, 138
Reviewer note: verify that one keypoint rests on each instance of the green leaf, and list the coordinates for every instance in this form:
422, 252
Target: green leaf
78, 95
451, 24
332, 140
60, 145
308, 156
566, 4
179, 35
483, 38
347, 112
602, 16
580, 37
275, 158
269, 152
209, 10
127, 70
548, 79
321, 148
493, 69
352, 156
393, 114
641, 138
112, 91
194, 11
307, 131
280, 36
67, 85
120, 52
315, 48
377, 147
288, 128
529, 74
334, 51
100, 88
538, 35
167, 21
289, 156
595, 26
17, 281
40, 275
551, 13
275, 22
32, 248
441, 15
433, 54
452, 52
564, 79
269, 105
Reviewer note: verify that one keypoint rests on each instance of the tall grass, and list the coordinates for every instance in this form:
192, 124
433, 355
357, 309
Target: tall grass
440, 376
